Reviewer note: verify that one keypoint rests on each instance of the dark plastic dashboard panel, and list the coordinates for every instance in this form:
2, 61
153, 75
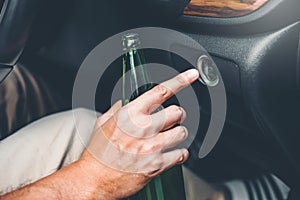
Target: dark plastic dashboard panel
230, 74
269, 77
248, 51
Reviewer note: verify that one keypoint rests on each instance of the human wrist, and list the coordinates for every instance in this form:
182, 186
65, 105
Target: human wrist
95, 178
72, 182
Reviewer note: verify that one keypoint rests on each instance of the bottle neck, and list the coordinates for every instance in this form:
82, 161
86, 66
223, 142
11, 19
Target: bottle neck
135, 75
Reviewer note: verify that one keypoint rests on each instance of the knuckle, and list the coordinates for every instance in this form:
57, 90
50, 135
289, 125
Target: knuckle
178, 110
150, 147
182, 110
161, 90
178, 134
183, 131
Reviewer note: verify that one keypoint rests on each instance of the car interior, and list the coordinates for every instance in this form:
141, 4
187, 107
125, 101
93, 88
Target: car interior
254, 43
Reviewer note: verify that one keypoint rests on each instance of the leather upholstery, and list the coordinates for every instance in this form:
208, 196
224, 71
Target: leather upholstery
24, 98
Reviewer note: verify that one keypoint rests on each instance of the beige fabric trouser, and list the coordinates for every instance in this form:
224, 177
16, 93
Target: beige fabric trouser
43, 147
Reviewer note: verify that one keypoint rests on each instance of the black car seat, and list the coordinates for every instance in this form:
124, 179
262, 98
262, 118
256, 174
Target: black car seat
23, 99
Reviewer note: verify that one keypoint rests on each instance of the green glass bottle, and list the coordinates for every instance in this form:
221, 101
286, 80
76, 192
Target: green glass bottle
136, 81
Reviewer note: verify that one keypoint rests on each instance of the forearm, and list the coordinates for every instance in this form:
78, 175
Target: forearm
66, 184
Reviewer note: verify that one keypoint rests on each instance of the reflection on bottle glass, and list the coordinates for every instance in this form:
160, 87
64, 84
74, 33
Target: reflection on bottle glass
136, 80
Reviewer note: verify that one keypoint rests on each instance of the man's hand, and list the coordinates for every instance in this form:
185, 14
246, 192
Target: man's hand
128, 148
129, 144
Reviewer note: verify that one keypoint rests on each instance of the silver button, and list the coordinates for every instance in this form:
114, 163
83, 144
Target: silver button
208, 71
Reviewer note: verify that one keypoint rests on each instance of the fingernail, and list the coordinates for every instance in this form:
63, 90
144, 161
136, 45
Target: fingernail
192, 73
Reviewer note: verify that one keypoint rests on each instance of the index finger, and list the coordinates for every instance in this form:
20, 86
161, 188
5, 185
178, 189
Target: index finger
152, 99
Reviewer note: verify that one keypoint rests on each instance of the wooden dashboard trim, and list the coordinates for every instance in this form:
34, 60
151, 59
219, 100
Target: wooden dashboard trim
223, 8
